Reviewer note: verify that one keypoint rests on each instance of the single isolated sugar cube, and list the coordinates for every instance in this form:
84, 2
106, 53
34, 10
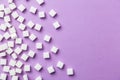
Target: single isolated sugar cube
39, 45
27, 68
24, 57
25, 77
15, 78
12, 62
22, 27
41, 14
38, 27
38, 67
6, 68
33, 9
12, 6
21, 7
24, 46
40, 2
25, 34
20, 19
47, 38
14, 56
60, 65
32, 37
18, 70
51, 69
54, 49
1, 14
56, 25
30, 24
46, 55
38, 78
3, 76
19, 64
2, 7
15, 15
31, 53
3, 61
18, 41
52, 13
70, 72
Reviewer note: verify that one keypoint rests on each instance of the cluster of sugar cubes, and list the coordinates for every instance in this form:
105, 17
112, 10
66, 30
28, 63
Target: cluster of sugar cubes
15, 66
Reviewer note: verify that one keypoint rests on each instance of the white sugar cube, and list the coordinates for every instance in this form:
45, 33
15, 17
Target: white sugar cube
70, 72
21, 7
10, 43
3, 27
38, 67
41, 14
47, 38
39, 45
24, 57
6, 35
52, 13
38, 78
9, 51
25, 77
6, 68
14, 15
18, 41
1, 14
12, 62
25, 34
24, 46
51, 69
3, 61
40, 2
3, 47
1, 37
19, 64
14, 56
27, 68
32, 37
22, 27
3, 76
20, 19
14, 35
54, 49
2, 54
18, 70
7, 11
38, 27
7, 18
10, 1
60, 65
18, 50
46, 55
56, 25
30, 24
15, 78
8, 25
12, 30
12, 72
1, 7
12, 6
31, 53
33, 9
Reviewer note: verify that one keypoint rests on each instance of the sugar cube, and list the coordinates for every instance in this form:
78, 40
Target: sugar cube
20, 19
40, 2
33, 10
30, 24
14, 15
22, 26
25, 34
52, 13
24, 57
27, 68
54, 49
46, 55
47, 38
70, 72
38, 27
41, 14
21, 7
32, 37
39, 45
19, 64
3, 61
38, 67
51, 69
56, 25
60, 65
31, 53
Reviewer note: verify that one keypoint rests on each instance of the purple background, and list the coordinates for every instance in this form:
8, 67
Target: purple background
89, 39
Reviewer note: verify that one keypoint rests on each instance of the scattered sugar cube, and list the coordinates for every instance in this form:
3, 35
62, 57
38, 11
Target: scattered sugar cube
41, 14
8, 25
33, 10
27, 68
46, 55
12, 62
32, 37
21, 8
12, 30
12, 6
38, 27
2, 54
39, 78
12, 72
40, 2
60, 65
3, 27
70, 72
39, 45
15, 78
3, 61
31, 53
7, 11
1, 7
1, 37
6, 35
38, 67
22, 27
18, 50
18, 70
10, 44
30, 24
47, 38
14, 35
25, 77
9, 51
56, 25
24, 46
3, 47
20, 19
54, 49
6, 68
18, 41
24, 57
52, 13
51, 69
3, 76
10, 1
15, 15
25, 34
19, 64
14, 56
7, 18
1, 14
